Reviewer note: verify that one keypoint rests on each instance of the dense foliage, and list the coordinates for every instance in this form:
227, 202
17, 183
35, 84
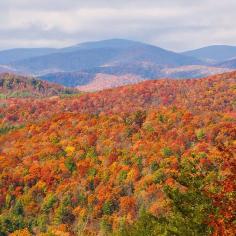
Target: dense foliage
14, 86
157, 158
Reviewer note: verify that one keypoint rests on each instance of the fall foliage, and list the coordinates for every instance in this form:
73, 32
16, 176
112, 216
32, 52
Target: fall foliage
156, 158
15, 86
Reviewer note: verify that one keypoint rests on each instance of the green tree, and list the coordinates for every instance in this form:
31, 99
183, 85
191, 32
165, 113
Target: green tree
48, 203
107, 208
70, 164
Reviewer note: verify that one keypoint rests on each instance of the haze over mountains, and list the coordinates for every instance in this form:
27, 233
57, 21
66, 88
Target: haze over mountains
213, 54
229, 64
115, 62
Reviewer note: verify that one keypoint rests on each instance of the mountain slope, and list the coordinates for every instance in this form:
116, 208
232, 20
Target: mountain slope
97, 54
156, 158
228, 64
71, 79
195, 95
87, 76
99, 78
124, 61
11, 55
5, 69
66, 61
215, 53
17, 86
108, 43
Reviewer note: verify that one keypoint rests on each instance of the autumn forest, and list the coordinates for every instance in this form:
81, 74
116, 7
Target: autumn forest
154, 158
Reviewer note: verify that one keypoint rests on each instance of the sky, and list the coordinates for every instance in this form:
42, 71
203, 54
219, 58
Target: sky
172, 24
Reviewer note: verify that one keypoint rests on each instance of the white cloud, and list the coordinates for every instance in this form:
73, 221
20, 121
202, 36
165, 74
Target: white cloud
173, 24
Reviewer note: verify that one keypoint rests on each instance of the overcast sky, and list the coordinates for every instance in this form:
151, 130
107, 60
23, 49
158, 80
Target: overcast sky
172, 24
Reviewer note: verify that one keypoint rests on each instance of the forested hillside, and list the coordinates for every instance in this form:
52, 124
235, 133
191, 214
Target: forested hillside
156, 158
18, 86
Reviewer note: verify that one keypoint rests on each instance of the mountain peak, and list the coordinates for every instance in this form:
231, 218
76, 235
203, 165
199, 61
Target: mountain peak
112, 43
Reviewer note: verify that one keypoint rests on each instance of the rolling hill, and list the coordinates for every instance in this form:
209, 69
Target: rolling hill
87, 65
195, 95
213, 54
109, 77
228, 64
154, 158
18, 86
99, 54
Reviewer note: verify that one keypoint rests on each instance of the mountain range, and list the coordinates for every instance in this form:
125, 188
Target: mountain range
111, 63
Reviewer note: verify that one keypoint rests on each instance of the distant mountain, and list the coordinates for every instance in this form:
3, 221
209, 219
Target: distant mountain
11, 55
18, 86
85, 76
193, 71
65, 61
214, 53
110, 63
228, 64
71, 79
5, 69
113, 76
99, 54
106, 81
109, 43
